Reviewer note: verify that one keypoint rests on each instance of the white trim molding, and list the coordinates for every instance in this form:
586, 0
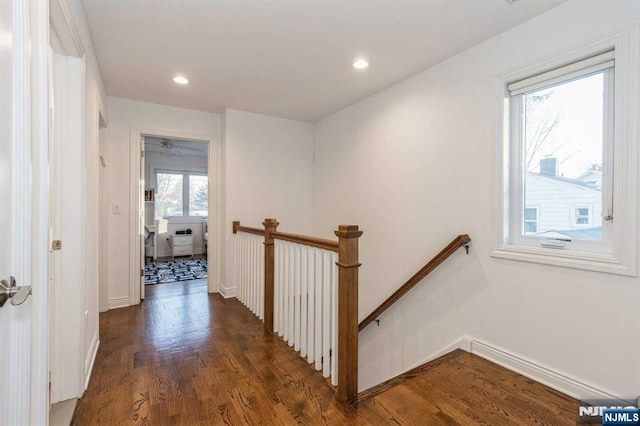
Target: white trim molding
63, 29
560, 381
620, 257
91, 359
557, 380
213, 167
227, 292
119, 302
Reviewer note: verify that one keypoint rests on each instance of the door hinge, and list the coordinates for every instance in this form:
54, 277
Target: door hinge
142, 272
141, 154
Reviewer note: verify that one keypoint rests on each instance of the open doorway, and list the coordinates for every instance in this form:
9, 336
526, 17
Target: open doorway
176, 209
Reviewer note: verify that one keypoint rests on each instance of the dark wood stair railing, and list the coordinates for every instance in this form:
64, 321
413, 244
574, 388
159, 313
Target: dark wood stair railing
460, 241
348, 264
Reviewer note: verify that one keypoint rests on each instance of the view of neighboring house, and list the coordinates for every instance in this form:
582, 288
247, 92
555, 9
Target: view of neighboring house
561, 207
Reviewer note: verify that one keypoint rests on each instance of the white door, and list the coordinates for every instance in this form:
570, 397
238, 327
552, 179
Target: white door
24, 210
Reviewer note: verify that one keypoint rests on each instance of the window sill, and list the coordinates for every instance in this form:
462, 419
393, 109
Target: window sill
605, 263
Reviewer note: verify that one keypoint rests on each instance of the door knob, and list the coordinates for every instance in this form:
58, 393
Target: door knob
17, 294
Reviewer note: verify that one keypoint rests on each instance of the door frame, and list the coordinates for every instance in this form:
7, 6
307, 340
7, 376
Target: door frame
68, 374
215, 208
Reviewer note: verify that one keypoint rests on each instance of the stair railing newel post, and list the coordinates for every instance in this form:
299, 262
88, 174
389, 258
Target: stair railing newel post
270, 226
348, 265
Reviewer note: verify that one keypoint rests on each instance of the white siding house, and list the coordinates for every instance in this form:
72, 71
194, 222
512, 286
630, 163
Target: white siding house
557, 205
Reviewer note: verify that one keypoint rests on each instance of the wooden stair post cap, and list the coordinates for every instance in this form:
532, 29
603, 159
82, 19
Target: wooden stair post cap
348, 231
270, 222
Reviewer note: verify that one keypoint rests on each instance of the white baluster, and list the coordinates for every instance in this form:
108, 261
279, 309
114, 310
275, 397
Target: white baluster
292, 294
236, 258
326, 313
242, 266
287, 291
296, 300
311, 290
334, 319
261, 280
256, 274
276, 287
280, 284
319, 309
303, 300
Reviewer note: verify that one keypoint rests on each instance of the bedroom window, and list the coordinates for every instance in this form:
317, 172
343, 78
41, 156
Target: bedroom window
181, 194
568, 132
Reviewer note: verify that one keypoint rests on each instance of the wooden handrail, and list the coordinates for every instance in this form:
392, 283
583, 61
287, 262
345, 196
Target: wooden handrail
459, 241
320, 243
237, 227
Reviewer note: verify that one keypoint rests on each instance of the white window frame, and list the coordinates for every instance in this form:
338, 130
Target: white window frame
617, 255
185, 172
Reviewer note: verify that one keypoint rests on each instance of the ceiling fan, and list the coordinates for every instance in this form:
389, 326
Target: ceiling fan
168, 147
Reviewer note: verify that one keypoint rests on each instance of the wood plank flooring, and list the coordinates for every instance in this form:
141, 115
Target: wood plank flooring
184, 357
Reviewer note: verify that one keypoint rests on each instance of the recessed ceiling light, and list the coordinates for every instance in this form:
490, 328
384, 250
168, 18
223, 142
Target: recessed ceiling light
180, 79
360, 64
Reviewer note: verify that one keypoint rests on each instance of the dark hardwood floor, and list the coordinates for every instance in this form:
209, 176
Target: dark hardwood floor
184, 357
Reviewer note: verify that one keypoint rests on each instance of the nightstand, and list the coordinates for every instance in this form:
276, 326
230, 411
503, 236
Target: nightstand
181, 245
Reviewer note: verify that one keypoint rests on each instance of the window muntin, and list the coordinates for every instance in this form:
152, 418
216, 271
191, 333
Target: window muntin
561, 155
181, 194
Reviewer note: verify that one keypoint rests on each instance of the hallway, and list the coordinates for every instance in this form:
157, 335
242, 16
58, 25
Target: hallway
184, 357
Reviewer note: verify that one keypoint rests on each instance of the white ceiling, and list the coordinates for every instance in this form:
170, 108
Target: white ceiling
287, 58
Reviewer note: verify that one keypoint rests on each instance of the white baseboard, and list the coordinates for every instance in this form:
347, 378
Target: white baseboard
463, 343
61, 413
227, 292
91, 359
119, 302
557, 380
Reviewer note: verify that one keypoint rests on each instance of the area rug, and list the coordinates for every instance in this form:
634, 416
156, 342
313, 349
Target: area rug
177, 270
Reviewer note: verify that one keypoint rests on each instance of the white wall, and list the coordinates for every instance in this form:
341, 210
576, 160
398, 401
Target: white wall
412, 165
123, 114
268, 173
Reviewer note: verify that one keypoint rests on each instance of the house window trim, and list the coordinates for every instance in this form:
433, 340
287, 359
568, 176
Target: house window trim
537, 220
622, 259
574, 216
185, 217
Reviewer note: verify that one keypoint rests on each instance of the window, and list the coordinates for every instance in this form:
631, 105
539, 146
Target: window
561, 140
530, 220
181, 194
569, 129
581, 216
